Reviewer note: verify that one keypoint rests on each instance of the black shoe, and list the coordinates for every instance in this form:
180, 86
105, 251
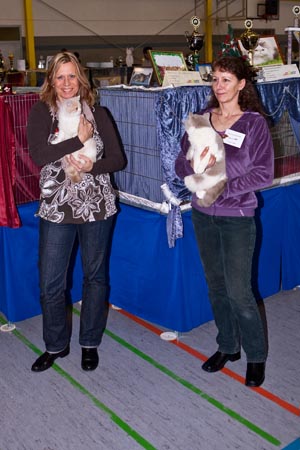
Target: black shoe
47, 359
90, 358
255, 374
218, 360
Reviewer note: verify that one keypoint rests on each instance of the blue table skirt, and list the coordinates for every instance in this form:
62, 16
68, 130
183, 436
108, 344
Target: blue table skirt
162, 285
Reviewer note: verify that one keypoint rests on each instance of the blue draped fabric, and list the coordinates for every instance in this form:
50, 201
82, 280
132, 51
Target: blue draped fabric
174, 225
19, 291
280, 96
172, 107
162, 285
296, 129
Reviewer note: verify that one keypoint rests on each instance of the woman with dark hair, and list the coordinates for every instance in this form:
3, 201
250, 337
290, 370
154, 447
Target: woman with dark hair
226, 230
83, 209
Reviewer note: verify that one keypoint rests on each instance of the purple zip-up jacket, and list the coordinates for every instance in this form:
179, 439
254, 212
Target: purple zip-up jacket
249, 168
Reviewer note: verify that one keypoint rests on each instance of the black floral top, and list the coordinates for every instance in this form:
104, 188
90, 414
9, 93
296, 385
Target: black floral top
92, 198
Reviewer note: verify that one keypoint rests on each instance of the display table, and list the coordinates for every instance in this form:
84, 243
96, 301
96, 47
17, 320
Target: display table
165, 286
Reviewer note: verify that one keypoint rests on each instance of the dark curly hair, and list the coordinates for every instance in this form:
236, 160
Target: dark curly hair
238, 66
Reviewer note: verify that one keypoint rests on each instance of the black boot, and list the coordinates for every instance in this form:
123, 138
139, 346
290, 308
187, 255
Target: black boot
255, 374
46, 360
90, 358
218, 360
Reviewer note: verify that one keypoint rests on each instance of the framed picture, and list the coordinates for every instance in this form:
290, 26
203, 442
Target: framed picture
104, 81
205, 71
162, 61
266, 53
141, 76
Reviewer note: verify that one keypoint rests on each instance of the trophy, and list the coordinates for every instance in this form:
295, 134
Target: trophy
296, 12
195, 41
11, 58
249, 40
294, 31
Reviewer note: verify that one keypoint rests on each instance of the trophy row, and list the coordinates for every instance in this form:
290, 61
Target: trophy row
248, 38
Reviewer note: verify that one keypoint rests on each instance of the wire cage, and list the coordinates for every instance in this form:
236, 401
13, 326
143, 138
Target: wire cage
286, 149
134, 113
137, 123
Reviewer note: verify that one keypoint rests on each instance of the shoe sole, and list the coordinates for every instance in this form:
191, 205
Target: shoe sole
89, 368
253, 384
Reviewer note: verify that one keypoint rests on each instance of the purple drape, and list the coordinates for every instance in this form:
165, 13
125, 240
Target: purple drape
27, 173
8, 212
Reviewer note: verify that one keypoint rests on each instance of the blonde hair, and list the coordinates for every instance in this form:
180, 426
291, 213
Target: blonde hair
48, 94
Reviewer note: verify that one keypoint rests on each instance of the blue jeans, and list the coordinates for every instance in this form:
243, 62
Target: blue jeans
226, 246
56, 242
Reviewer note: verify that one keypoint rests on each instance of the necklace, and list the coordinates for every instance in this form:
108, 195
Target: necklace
221, 116
222, 123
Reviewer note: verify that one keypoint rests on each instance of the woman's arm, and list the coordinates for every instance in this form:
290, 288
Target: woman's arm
39, 127
114, 157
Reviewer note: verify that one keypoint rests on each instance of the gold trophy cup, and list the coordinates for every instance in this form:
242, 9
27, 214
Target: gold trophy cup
249, 40
195, 41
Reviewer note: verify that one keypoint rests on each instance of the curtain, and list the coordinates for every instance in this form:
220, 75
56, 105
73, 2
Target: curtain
27, 173
172, 107
280, 96
8, 212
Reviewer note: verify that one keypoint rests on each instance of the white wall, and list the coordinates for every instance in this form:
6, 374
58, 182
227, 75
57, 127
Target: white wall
100, 17
100, 29
129, 17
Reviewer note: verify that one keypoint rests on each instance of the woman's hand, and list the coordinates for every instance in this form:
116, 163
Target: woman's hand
85, 129
84, 164
211, 162
212, 158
